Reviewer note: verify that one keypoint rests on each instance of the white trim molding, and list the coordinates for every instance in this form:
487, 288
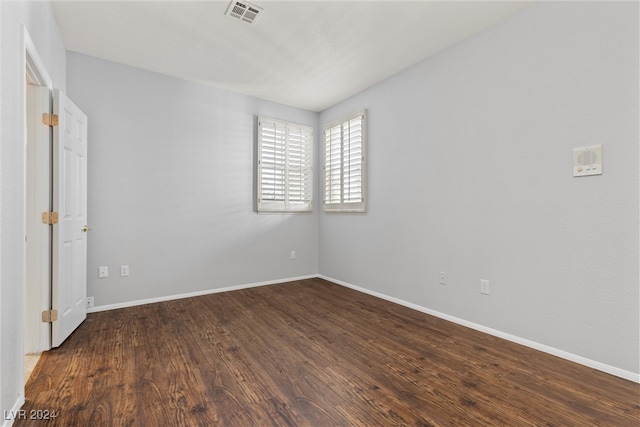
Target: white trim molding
195, 294
631, 376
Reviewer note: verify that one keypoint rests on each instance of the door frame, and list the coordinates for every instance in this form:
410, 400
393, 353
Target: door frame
39, 293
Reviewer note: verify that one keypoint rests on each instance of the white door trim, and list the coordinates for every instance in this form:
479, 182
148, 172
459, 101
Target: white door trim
33, 62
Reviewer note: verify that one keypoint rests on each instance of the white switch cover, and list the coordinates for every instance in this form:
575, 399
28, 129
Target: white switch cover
124, 270
587, 160
443, 278
103, 272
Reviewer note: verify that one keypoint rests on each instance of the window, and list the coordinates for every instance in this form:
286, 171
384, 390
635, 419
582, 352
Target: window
344, 164
285, 166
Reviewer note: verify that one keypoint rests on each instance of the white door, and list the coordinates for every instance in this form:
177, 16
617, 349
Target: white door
69, 275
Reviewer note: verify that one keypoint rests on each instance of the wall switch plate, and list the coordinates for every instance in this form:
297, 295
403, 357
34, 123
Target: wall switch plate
443, 278
485, 287
89, 302
124, 270
293, 254
103, 272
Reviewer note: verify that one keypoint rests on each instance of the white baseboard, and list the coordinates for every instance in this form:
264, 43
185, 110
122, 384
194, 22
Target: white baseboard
528, 343
509, 337
194, 294
8, 417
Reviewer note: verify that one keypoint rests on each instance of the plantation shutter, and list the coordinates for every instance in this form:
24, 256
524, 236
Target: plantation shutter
344, 164
333, 165
353, 160
299, 165
285, 172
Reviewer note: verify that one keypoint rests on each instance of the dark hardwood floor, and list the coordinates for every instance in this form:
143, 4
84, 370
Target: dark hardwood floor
309, 353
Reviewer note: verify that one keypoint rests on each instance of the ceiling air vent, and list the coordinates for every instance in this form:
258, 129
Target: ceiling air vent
244, 11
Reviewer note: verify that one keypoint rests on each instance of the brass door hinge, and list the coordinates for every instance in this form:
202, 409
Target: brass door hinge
49, 316
49, 119
50, 218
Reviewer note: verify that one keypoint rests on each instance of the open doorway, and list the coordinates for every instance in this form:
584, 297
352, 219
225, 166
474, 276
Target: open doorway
38, 200
55, 139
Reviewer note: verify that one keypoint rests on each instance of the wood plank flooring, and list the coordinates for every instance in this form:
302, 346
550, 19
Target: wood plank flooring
310, 353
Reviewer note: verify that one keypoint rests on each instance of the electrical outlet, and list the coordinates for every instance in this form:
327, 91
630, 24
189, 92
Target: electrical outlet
89, 302
443, 278
103, 272
485, 287
124, 270
293, 254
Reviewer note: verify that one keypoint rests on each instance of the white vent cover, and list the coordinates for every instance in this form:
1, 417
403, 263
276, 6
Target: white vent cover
244, 11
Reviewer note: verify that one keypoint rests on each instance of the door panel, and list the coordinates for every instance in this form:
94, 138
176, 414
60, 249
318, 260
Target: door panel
69, 281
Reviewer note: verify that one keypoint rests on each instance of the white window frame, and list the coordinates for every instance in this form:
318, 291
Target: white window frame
285, 166
339, 146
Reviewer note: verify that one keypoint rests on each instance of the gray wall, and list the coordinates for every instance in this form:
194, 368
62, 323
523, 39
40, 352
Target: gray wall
470, 173
171, 187
38, 18
482, 190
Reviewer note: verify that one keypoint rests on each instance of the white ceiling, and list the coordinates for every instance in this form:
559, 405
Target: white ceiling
308, 54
